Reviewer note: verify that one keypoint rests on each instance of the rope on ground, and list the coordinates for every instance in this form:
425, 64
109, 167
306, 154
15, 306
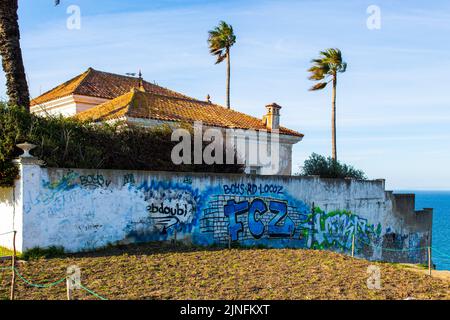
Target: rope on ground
48, 285
92, 292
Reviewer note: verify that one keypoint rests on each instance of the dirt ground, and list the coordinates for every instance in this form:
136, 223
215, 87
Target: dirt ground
162, 271
438, 274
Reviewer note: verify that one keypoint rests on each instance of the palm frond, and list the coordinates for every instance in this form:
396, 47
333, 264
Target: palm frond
318, 86
220, 40
328, 64
343, 67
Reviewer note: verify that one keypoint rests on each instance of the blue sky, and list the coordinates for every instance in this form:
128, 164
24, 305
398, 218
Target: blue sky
393, 101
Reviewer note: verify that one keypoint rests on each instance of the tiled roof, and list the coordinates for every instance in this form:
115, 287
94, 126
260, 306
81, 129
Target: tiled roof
100, 84
148, 105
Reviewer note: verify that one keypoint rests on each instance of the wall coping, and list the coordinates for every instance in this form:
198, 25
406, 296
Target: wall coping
216, 174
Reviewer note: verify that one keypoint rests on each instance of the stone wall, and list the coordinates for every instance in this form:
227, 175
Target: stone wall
84, 209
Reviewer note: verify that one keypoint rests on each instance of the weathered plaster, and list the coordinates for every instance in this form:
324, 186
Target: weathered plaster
6, 216
85, 209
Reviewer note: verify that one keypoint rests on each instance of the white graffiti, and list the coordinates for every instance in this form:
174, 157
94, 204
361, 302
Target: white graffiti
168, 208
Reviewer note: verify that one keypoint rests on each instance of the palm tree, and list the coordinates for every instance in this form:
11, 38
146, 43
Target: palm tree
220, 40
327, 66
11, 53
16, 82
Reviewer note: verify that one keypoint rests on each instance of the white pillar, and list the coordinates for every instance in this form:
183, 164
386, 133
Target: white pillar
24, 188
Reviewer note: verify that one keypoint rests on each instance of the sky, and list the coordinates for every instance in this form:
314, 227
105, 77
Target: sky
393, 103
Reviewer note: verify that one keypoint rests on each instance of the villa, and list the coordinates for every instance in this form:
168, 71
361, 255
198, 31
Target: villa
106, 97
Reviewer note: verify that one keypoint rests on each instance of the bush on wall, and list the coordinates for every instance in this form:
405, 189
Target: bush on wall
318, 165
68, 143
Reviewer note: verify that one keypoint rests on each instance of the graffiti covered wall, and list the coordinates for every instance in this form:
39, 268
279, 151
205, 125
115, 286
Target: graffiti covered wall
85, 209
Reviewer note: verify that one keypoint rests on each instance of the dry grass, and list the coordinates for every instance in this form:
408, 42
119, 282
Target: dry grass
5, 252
158, 271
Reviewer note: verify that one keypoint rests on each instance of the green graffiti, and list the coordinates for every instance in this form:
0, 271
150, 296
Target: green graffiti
335, 229
67, 182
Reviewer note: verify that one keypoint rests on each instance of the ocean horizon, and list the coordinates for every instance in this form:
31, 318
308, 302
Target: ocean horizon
439, 200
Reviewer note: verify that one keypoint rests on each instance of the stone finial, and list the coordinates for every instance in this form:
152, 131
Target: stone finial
26, 158
26, 147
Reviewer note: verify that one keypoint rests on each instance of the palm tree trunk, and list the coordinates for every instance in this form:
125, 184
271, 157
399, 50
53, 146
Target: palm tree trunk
333, 119
228, 77
16, 82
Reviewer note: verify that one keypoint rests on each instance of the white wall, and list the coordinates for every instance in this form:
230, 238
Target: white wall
83, 209
6, 216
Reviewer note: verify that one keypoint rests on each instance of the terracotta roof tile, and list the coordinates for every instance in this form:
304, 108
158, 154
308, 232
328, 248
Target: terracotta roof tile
149, 105
100, 84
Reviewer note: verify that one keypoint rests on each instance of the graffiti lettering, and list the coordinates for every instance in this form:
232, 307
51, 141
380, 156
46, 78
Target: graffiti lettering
177, 211
335, 229
232, 210
255, 225
94, 181
280, 225
89, 227
252, 189
170, 206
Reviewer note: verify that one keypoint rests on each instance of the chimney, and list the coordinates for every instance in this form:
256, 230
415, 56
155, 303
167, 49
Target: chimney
272, 118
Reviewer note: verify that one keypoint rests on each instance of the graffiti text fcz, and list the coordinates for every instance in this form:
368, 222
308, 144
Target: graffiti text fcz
281, 225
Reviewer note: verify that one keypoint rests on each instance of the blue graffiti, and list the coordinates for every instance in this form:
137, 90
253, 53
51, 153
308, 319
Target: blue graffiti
255, 225
232, 210
281, 225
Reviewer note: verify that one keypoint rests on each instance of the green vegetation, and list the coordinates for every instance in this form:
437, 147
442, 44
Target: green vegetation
47, 253
318, 165
5, 252
69, 143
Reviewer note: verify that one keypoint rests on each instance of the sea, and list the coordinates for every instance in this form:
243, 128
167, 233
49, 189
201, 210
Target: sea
440, 202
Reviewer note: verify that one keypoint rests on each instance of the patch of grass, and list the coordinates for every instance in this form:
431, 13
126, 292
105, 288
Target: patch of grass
5, 252
47, 253
165, 271
423, 266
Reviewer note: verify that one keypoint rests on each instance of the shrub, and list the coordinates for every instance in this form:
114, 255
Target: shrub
47, 253
69, 143
328, 168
